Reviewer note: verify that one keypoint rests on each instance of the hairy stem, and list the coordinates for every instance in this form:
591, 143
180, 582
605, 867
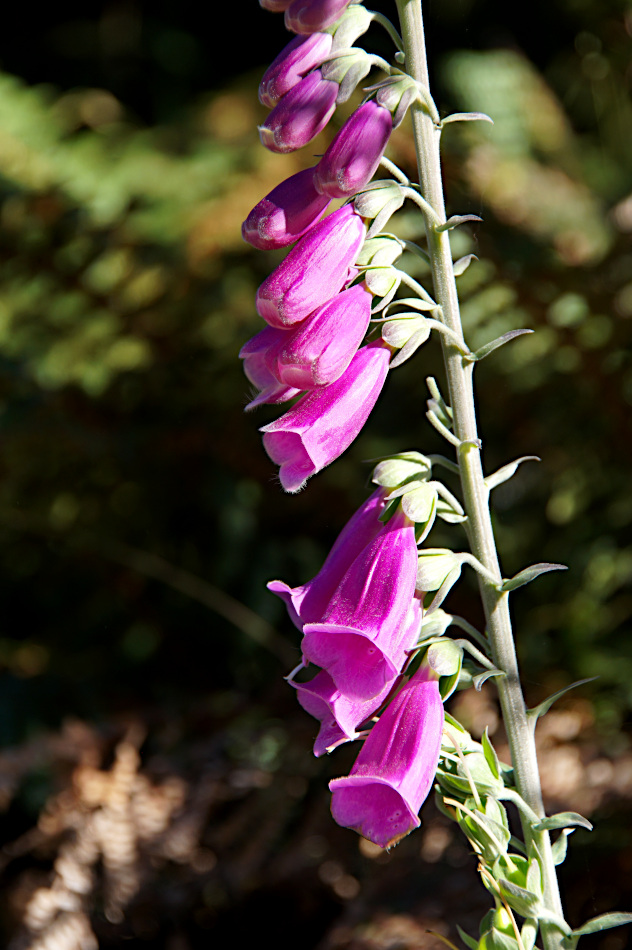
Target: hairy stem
475, 494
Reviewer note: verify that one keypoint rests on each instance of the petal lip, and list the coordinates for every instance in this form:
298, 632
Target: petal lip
346, 809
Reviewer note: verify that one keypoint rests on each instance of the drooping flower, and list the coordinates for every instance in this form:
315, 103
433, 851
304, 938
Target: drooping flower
319, 350
314, 271
255, 354
354, 154
309, 601
275, 6
395, 768
307, 16
294, 62
339, 715
301, 114
286, 214
324, 422
373, 617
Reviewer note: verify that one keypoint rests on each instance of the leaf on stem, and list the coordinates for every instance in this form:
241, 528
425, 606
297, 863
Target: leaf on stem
560, 846
604, 922
488, 348
459, 267
480, 678
564, 819
467, 117
456, 220
546, 704
469, 942
507, 471
529, 574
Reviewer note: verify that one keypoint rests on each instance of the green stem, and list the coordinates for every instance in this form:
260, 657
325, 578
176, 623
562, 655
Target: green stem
475, 494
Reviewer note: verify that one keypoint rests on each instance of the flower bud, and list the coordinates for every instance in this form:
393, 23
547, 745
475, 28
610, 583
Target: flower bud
288, 212
395, 768
275, 6
326, 421
354, 155
318, 352
300, 115
308, 16
294, 62
314, 271
255, 354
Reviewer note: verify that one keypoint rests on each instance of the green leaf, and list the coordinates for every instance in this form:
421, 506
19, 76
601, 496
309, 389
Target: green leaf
488, 348
418, 503
604, 922
459, 267
564, 819
416, 340
529, 574
469, 942
490, 753
519, 898
480, 678
456, 220
507, 471
466, 117
546, 704
528, 933
560, 846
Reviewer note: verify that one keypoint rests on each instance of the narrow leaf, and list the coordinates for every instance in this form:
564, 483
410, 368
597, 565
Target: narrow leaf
560, 846
469, 942
544, 706
563, 819
456, 220
479, 678
529, 574
507, 471
490, 753
488, 348
604, 922
467, 117
459, 267
519, 898
528, 933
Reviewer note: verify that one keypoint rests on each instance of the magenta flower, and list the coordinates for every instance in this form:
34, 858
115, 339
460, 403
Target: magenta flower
301, 114
255, 354
286, 214
308, 16
373, 617
339, 715
319, 350
294, 62
326, 421
275, 6
314, 271
390, 779
354, 155
309, 601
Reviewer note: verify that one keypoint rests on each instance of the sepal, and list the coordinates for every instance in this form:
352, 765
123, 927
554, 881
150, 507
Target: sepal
347, 69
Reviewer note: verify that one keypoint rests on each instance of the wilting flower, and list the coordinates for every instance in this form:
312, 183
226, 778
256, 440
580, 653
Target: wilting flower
314, 271
354, 155
309, 601
324, 422
339, 715
255, 354
286, 214
373, 617
394, 771
294, 62
301, 114
307, 16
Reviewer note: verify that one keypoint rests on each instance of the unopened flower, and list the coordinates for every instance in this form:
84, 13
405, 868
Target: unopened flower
394, 771
354, 155
324, 422
255, 354
339, 715
373, 617
307, 16
286, 214
314, 271
301, 114
275, 6
296, 60
309, 601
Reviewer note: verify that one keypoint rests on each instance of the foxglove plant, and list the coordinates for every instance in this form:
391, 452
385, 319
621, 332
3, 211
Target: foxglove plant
377, 664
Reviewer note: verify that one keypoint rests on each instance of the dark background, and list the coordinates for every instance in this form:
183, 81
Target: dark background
141, 658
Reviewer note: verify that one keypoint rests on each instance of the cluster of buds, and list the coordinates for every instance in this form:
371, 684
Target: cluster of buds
361, 616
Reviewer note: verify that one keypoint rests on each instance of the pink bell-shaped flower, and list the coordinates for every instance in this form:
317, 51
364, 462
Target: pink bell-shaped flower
394, 771
373, 617
339, 715
255, 354
352, 159
275, 6
309, 601
307, 16
314, 271
292, 64
301, 114
286, 214
324, 422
